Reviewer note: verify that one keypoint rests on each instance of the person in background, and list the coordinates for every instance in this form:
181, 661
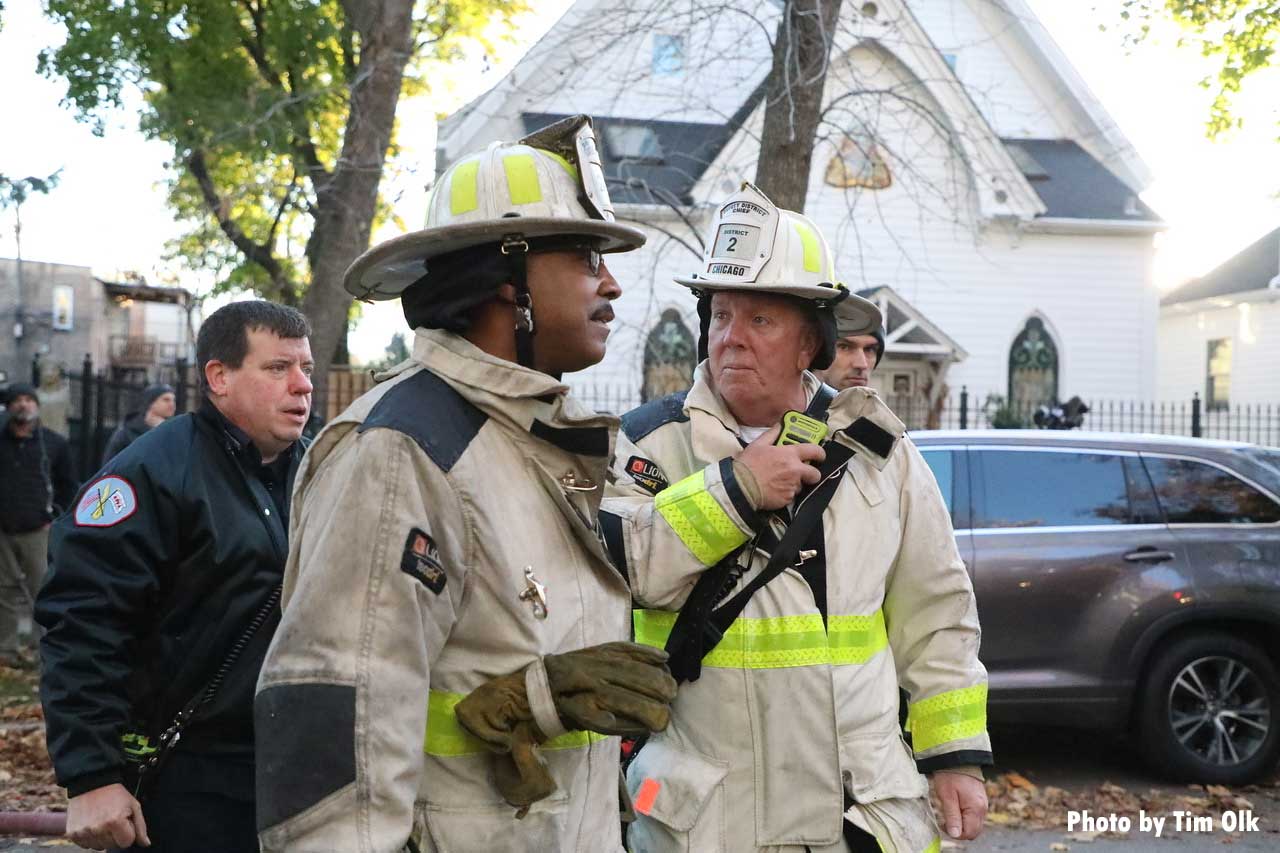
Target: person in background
158, 405
164, 593
36, 483
858, 353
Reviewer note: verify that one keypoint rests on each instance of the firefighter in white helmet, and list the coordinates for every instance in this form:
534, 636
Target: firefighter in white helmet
785, 734
452, 667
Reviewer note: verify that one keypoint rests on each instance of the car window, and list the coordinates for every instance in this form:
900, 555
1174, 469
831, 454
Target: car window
1269, 459
942, 463
1046, 489
1196, 493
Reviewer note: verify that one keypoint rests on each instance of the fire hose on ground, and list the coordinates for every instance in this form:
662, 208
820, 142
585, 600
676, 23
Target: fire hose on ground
33, 823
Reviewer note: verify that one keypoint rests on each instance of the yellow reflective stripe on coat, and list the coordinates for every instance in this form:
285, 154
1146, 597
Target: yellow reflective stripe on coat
695, 516
777, 642
954, 715
447, 737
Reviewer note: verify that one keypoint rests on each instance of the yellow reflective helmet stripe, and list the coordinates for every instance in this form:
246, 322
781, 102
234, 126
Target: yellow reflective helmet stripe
812, 250
463, 193
698, 519
522, 178
954, 715
778, 642
446, 737
568, 167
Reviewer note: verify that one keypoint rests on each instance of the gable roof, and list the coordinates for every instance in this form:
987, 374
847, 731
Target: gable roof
1117, 152
1108, 152
1073, 184
908, 331
1255, 267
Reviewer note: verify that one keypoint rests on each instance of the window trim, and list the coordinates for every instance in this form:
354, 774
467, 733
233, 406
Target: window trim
961, 487
1230, 525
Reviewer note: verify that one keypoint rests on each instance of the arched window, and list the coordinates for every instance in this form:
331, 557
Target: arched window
1033, 366
670, 355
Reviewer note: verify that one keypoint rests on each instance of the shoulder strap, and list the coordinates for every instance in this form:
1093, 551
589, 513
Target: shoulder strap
701, 625
821, 402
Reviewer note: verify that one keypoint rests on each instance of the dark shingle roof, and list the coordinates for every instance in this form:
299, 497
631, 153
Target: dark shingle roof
1073, 185
1252, 268
687, 148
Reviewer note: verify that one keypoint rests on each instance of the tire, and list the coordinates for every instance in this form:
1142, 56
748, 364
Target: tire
1209, 711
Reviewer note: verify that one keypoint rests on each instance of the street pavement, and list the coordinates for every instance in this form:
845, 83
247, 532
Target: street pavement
1073, 761
1077, 761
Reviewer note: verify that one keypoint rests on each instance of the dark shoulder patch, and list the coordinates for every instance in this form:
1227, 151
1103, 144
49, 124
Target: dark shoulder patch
871, 436
644, 419
425, 408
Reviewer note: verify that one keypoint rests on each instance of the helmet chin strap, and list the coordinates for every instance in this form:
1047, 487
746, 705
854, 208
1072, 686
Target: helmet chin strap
517, 251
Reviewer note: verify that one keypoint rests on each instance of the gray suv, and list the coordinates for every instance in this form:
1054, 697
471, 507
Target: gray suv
1126, 583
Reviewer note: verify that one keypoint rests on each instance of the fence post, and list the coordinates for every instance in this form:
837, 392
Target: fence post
180, 386
1196, 431
86, 417
964, 407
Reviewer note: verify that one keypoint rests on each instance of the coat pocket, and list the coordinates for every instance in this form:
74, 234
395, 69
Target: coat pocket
493, 829
880, 766
681, 790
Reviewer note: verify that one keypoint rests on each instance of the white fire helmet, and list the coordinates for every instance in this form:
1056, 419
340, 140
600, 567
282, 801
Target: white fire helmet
755, 246
550, 183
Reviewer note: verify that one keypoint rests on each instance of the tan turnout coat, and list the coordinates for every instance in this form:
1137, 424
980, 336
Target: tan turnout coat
415, 515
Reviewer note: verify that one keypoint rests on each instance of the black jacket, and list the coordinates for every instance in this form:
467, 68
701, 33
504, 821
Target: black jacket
133, 428
34, 472
164, 559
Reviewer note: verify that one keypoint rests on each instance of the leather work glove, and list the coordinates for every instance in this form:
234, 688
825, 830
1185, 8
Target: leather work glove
615, 689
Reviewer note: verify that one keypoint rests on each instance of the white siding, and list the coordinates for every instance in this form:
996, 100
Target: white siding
979, 282
1254, 330
1005, 85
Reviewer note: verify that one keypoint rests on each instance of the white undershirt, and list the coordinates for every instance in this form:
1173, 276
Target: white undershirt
750, 433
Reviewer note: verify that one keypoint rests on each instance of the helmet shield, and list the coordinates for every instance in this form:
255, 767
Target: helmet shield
574, 140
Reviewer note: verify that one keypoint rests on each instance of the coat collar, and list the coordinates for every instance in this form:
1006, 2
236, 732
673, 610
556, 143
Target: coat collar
524, 399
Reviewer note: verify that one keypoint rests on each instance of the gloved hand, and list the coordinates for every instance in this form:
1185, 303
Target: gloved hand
614, 688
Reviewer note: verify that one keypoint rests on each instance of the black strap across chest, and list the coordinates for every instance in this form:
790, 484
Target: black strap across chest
703, 621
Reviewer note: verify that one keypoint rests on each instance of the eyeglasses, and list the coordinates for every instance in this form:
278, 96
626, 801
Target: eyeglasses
589, 252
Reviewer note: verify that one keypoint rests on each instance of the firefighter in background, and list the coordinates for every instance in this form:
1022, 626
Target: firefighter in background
858, 352
789, 739
447, 576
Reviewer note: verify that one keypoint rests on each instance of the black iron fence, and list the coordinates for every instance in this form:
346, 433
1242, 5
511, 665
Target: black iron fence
1258, 423
101, 399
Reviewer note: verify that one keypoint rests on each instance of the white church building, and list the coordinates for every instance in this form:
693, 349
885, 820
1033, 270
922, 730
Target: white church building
965, 175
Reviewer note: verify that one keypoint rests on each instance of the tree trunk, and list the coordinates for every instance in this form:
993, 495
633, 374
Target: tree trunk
793, 99
346, 201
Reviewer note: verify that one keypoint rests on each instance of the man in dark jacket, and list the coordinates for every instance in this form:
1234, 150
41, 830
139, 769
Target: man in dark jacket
158, 405
174, 549
36, 481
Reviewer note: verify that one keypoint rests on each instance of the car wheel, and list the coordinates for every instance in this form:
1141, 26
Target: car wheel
1208, 711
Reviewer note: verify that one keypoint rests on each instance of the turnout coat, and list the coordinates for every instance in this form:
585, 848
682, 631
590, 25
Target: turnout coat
795, 717
424, 517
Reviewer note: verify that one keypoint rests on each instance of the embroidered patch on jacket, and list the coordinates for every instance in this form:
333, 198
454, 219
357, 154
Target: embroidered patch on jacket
646, 474
106, 501
421, 560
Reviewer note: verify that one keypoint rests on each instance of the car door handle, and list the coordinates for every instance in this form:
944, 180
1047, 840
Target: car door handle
1148, 555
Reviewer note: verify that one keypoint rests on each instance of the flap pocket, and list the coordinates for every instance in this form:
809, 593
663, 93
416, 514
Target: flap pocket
868, 484
882, 767
672, 785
